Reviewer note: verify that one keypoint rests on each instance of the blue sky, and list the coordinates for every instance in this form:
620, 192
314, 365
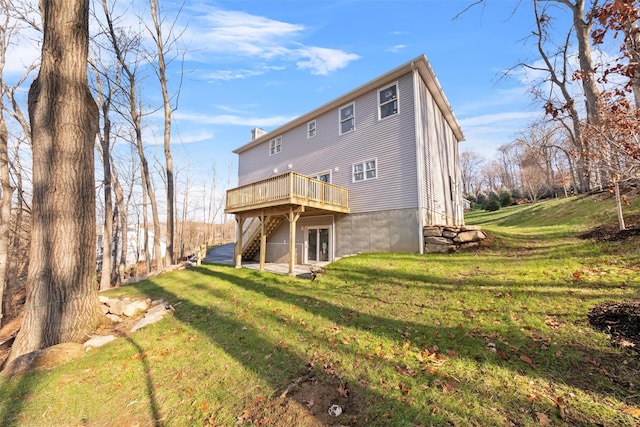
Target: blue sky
261, 63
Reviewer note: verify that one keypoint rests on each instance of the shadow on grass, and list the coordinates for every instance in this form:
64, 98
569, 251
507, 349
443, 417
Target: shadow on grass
153, 402
605, 373
283, 366
14, 393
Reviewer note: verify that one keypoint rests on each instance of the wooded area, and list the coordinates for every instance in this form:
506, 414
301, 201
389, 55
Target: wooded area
88, 99
588, 139
54, 244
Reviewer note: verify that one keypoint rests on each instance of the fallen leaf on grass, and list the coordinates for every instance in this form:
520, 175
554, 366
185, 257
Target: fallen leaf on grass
343, 391
543, 419
559, 402
449, 386
632, 411
528, 361
406, 371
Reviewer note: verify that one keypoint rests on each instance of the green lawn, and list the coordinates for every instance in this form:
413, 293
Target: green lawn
494, 336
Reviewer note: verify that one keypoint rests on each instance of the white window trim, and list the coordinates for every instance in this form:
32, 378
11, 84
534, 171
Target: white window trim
364, 170
317, 175
315, 129
397, 99
306, 241
277, 144
353, 117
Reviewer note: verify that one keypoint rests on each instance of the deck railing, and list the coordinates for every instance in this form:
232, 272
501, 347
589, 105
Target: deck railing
287, 188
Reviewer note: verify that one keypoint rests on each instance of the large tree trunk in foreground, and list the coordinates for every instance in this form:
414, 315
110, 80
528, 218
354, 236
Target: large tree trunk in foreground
62, 293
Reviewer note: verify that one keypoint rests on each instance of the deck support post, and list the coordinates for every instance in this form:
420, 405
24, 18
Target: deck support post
238, 247
293, 220
263, 242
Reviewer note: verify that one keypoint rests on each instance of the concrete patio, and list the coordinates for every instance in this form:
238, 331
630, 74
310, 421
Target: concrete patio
223, 254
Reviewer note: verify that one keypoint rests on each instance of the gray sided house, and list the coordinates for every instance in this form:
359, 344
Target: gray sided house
365, 172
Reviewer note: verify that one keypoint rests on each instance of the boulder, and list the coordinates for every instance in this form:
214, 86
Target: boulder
96, 342
470, 228
437, 241
117, 306
469, 236
134, 307
46, 358
449, 234
439, 249
114, 318
155, 314
432, 232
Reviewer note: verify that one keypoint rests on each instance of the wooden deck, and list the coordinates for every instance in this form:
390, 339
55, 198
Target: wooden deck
288, 189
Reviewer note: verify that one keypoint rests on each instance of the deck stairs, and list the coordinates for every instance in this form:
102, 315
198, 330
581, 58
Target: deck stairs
252, 246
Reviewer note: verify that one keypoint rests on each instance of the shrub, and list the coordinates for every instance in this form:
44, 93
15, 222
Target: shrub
481, 198
491, 205
506, 199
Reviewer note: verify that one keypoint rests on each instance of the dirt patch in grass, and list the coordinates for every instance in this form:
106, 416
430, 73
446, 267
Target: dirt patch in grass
309, 400
621, 320
612, 233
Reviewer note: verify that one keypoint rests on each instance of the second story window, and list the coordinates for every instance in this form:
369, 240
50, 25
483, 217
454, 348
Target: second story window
365, 170
275, 146
388, 101
347, 118
311, 129
324, 177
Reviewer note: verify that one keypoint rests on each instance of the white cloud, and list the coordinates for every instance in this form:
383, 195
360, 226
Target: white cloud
235, 120
321, 61
397, 48
239, 74
240, 34
248, 34
500, 118
199, 136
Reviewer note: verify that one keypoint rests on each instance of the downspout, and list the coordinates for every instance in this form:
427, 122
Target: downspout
419, 155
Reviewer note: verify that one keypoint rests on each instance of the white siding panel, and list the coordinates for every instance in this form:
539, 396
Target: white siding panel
440, 162
391, 141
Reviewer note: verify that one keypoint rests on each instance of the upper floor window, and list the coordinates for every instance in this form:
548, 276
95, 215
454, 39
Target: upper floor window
388, 101
275, 146
324, 177
347, 118
365, 170
311, 129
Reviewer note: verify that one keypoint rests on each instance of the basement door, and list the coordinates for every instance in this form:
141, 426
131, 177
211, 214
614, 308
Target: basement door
317, 244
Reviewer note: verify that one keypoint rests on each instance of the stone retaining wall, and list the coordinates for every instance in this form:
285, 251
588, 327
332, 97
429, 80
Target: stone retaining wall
441, 239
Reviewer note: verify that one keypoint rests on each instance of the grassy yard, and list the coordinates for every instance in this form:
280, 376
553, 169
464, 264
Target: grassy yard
497, 336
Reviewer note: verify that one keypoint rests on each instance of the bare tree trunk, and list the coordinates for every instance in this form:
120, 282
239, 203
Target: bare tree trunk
6, 189
123, 213
162, 77
62, 302
621, 224
145, 224
137, 125
5, 206
104, 150
559, 79
632, 38
582, 24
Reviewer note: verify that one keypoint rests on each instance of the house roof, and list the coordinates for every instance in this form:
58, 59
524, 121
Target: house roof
421, 63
